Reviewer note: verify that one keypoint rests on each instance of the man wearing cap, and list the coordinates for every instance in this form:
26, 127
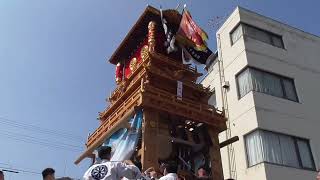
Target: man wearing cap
110, 170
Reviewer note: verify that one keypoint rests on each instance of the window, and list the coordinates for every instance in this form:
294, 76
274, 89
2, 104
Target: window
252, 79
266, 146
257, 34
236, 33
264, 36
305, 153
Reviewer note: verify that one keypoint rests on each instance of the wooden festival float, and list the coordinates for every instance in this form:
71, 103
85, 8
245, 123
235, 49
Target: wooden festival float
180, 128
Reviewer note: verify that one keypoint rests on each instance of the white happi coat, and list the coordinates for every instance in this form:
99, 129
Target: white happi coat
111, 170
170, 176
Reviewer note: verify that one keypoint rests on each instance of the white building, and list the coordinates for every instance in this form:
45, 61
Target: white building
270, 73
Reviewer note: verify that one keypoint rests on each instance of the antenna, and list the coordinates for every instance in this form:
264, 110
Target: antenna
216, 21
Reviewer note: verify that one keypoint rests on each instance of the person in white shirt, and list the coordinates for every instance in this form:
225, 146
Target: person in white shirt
170, 172
110, 170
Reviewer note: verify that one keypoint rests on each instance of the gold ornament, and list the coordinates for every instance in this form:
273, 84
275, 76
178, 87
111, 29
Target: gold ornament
152, 36
144, 53
118, 80
133, 63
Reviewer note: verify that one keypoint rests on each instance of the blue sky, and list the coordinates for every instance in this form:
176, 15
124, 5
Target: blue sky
54, 73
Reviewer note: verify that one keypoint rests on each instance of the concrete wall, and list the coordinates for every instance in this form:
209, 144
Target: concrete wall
300, 61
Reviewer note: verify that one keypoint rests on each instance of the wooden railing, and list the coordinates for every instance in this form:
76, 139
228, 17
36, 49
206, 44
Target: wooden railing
133, 78
198, 87
172, 62
123, 95
133, 100
160, 99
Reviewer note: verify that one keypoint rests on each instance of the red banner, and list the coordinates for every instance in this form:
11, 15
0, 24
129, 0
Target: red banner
191, 34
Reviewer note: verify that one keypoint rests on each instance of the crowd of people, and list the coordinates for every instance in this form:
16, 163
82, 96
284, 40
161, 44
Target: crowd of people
127, 170
115, 170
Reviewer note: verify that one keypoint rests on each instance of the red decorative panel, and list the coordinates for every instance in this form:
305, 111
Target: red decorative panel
134, 60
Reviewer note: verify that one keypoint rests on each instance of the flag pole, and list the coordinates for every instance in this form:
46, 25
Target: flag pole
184, 7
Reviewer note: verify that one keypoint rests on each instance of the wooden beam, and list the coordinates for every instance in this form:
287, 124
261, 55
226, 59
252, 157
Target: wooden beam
215, 156
149, 156
229, 141
180, 141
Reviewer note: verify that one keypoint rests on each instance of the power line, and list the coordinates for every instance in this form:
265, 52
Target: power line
40, 129
31, 127
56, 146
20, 170
5, 164
38, 139
16, 170
11, 171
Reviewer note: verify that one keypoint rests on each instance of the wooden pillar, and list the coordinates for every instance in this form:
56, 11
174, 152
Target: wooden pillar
215, 156
149, 156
